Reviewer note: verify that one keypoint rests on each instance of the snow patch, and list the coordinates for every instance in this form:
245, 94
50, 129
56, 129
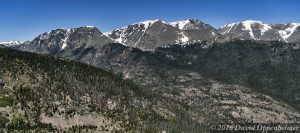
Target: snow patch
286, 33
11, 43
119, 40
265, 28
180, 24
66, 38
121, 36
107, 34
64, 43
121, 33
248, 27
69, 30
229, 27
148, 23
184, 38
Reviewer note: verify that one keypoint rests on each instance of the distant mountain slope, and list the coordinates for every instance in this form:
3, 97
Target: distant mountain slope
68, 42
257, 30
170, 73
11, 43
151, 34
148, 35
269, 67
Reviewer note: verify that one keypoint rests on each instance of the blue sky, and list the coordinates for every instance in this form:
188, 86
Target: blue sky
25, 19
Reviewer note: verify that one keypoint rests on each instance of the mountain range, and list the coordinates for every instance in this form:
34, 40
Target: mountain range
152, 76
11, 43
151, 34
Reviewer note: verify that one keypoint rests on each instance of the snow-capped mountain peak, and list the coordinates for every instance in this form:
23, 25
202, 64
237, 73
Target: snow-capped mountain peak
257, 30
90, 26
11, 43
151, 34
289, 30
120, 35
180, 24
147, 23
252, 29
60, 40
249, 23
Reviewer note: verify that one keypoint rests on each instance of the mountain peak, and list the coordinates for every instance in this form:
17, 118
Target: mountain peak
252, 21
90, 26
146, 36
249, 29
289, 30
11, 43
181, 24
245, 22
148, 22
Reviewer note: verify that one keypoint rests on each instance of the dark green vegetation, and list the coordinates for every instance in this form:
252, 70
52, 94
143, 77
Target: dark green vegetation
3, 121
38, 87
6, 101
175, 89
269, 67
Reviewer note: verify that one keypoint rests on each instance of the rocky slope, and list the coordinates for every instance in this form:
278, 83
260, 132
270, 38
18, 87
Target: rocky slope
257, 30
151, 34
66, 42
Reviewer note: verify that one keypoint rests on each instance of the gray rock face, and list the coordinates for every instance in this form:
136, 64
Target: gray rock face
291, 32
149, 35
257, 30
66, 42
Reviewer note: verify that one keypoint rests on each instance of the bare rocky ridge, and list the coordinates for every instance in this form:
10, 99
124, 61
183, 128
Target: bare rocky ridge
151, 34
67, 42
257, 30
